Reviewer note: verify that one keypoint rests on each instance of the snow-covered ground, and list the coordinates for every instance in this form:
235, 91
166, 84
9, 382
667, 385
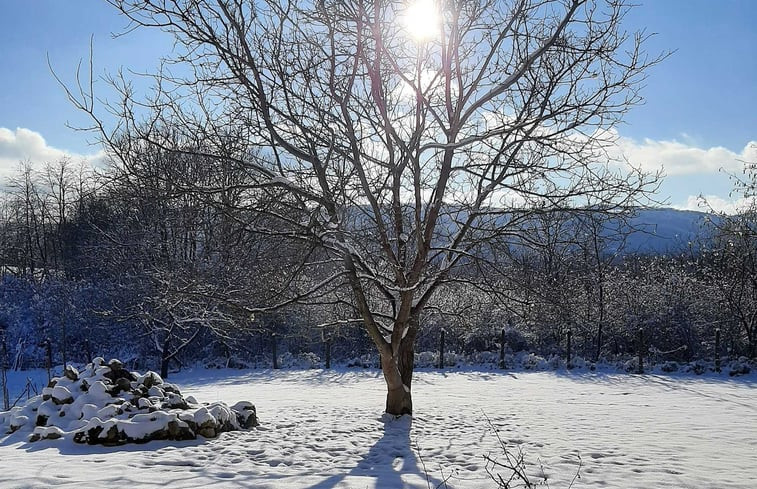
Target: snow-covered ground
324, 429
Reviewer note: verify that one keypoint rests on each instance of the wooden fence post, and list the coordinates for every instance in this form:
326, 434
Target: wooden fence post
4, 379
274, 348
568, 363
641, 351
88, 350
441, 349
717, 349
502, 349
328, 351
48, 357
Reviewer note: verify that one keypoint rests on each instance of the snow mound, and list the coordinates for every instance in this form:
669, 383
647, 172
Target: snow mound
106, 404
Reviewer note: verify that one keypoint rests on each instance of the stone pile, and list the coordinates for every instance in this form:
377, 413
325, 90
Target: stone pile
107, 404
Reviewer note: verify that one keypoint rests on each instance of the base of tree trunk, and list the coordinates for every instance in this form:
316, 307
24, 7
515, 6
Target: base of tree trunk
399, 402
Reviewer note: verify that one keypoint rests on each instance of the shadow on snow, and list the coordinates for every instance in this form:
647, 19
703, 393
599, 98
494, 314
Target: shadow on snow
388, 460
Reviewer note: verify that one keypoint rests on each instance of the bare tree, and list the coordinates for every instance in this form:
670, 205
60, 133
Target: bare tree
178, 267
733, 257
602, 240
409, 155
29, 248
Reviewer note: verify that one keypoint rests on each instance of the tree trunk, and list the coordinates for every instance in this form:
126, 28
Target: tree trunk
397, 357
751, 338
63, 339
598, 350
165, 358
398, 373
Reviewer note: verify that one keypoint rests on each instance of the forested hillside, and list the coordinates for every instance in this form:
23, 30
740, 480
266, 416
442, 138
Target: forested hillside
129, 264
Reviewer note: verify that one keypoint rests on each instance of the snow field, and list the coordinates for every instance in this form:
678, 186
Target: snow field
324, 429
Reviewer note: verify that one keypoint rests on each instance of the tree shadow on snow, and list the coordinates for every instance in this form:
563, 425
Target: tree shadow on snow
618, 378
388, 460
203, 377
707, 385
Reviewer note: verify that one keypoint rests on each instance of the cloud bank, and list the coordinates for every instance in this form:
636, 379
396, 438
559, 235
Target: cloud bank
683, 162
27, 145
710, 203
675, 157
678, 158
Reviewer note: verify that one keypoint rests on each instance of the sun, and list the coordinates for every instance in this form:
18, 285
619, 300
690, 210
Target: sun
421, 19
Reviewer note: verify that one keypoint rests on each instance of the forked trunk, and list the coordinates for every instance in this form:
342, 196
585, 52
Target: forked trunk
397, 352
398, 373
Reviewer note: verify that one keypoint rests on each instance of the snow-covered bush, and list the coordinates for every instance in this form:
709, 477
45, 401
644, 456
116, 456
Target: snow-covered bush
453, 359
555, 362
579, 363
669, 367
485, 358
107, 404
363, 361
426, 359
232, 361
309, 360
739, 367
697, 367
301, 360
532, 361
631, 365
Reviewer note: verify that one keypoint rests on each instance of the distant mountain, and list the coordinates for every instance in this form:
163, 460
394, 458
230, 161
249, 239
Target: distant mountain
650, 230
658, 231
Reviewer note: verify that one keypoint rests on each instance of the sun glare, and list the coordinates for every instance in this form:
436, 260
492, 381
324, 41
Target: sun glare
421, 19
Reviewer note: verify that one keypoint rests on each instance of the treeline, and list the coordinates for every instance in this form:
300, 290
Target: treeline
134, 262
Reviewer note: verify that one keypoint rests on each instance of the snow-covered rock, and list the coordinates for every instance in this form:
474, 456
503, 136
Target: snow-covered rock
71, 373
106, 404
62, 395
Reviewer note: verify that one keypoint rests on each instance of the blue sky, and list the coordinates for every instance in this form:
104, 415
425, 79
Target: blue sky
700, 112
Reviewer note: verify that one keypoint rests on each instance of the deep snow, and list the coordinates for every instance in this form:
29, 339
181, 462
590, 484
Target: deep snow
324, 429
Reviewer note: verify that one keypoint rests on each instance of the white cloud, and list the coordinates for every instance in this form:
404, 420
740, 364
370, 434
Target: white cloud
678, 158
25, 144
710, 203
